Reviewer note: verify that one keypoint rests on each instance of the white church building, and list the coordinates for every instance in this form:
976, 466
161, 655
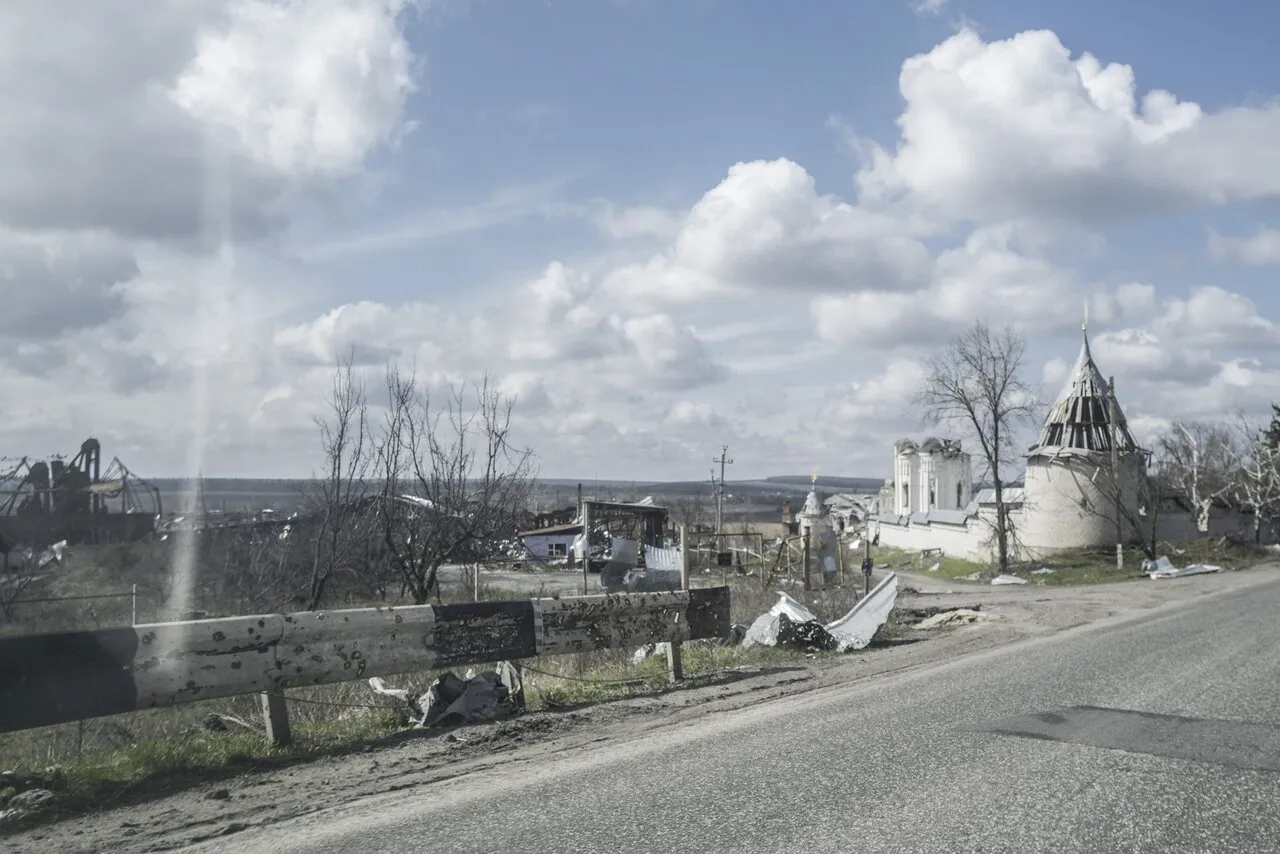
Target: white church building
1067, 501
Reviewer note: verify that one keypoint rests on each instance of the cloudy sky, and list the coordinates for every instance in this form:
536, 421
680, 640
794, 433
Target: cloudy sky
665, 225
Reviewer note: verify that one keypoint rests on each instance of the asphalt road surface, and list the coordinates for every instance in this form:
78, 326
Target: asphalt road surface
1157, 734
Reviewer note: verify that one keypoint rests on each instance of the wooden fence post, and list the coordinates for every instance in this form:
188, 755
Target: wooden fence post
276, 715
675, 655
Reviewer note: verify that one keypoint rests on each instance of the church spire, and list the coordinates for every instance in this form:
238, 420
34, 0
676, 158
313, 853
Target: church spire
1080, 419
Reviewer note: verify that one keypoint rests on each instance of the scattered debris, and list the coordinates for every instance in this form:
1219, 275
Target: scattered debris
52, 778
451, 701
26, 804
959, 616
1007, 579
935, 567
789, 623
215, 722
1044, 570
973, 576
1162, 567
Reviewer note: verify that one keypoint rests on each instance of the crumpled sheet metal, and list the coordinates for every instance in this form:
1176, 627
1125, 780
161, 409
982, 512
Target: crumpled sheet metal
789, 623
451, 701
1163, 568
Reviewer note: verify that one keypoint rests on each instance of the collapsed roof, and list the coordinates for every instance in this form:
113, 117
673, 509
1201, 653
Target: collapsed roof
1080, 420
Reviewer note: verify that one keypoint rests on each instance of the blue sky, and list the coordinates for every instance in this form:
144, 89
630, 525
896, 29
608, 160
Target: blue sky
547, 192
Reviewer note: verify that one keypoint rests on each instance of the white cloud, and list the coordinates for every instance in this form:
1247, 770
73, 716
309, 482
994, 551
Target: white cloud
929, 7
306, 88
1019, 128
765, 228
629, 223
1259, 249
788, 321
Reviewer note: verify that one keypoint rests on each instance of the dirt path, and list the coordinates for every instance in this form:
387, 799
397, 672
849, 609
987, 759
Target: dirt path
209, 809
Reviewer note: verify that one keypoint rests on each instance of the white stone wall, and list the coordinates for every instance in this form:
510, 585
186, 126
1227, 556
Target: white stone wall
952, 473
966, 542
1070, 504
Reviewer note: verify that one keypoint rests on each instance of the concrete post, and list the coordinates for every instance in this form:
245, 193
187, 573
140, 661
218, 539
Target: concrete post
276, 715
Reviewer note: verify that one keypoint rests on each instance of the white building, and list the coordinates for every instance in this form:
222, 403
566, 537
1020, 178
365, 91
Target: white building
554, 543
933, 475
1068, 500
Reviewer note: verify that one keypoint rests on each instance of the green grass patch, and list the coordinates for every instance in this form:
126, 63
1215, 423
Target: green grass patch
887, 558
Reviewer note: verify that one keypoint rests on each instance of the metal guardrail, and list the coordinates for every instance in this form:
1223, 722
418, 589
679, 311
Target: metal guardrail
60, 677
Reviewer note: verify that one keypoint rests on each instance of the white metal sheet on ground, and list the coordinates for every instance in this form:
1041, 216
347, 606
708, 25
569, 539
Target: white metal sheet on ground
856, 629
764, 630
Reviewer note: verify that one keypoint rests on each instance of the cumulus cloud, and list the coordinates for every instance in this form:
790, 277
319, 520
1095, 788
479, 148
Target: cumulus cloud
1020, 128
985, 277
140, 118
1007, 150
765, 228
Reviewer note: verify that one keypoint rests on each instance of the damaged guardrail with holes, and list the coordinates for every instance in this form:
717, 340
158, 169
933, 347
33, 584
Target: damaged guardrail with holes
69, 676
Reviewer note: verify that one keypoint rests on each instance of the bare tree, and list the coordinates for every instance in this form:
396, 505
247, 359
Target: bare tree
337, 496
976, 382
1198, 461
1256, 480
691, 510
454, 485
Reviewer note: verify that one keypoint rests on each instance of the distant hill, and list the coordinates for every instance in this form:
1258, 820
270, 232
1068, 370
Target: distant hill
848, 484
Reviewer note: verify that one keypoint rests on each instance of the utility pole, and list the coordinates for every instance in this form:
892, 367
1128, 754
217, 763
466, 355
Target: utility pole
723, 461
1115, 470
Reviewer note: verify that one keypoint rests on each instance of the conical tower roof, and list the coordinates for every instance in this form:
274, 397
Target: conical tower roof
1080, 420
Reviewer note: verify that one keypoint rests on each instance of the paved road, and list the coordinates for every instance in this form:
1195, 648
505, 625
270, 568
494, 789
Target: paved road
1029, 748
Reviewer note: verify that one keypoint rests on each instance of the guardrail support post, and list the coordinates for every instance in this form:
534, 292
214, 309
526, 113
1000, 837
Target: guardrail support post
276, 715
675, 656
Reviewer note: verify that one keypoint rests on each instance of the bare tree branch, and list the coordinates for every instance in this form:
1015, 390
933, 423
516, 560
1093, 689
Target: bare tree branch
1198, 460
454, 485
976, 383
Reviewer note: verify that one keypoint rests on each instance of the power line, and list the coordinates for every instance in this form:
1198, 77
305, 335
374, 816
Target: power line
723, 461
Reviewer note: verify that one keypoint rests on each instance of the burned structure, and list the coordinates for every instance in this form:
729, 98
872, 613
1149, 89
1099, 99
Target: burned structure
43, 502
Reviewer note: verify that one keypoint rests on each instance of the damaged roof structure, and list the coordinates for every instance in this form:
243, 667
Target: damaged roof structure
46, 501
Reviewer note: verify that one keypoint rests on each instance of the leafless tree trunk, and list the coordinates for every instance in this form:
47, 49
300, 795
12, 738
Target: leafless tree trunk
1198, 461
337, 496
1139, 511
1256, 480
454, 484
976, 382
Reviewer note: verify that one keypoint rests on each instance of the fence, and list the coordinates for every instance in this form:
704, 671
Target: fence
60, 677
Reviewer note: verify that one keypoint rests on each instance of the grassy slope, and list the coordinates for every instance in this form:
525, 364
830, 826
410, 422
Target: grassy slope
1090, 567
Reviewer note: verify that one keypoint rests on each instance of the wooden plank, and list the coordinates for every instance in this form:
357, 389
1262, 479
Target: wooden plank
323, 647
612, 621
201, 659
708, 612
53, 678
484, 632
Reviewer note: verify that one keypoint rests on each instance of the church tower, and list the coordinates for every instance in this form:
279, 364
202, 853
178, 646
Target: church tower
1071, 490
